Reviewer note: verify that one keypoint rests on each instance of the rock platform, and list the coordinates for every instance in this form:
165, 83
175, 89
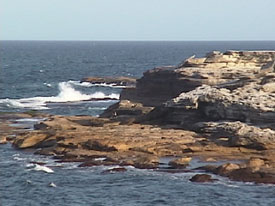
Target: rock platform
217, 108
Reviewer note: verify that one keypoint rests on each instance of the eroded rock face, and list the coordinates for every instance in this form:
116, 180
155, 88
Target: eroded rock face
161, 84
240, 134
234, 99
220, 107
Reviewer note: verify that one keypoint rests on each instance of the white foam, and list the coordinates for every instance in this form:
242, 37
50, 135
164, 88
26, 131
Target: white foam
66, 94
52, 184
43, 168
48, 84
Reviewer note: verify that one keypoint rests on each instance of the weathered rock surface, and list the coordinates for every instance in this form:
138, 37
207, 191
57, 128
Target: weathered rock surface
220, 107
161, 84
180, 163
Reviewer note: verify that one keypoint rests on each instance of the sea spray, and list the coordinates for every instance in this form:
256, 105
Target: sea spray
67, 93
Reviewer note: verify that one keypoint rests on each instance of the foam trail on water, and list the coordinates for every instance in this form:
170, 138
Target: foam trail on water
66, 94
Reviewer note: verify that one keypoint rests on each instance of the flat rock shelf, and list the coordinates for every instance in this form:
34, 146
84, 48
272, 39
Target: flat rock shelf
219, 108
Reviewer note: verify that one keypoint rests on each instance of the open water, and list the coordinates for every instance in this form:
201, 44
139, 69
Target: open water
46, 76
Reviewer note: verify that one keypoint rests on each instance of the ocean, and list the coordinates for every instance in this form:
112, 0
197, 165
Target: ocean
46, 76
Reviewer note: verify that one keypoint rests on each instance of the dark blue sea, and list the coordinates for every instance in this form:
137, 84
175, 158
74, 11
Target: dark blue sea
46, 76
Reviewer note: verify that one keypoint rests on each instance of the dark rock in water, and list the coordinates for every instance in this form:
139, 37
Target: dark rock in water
146, 162
113, 81
91, 163
114, 170
202, 178
248, 175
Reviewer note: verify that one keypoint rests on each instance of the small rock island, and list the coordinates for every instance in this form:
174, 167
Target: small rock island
219, 108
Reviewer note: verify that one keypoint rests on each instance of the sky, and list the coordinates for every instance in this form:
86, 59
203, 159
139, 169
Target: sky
140, 20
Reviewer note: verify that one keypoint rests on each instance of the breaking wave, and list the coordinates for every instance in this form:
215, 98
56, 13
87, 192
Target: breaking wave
67, 93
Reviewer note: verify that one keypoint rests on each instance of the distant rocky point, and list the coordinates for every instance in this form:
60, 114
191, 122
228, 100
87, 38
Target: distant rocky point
220, 107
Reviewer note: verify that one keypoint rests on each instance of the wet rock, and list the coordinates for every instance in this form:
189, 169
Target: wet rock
248, 175
226, 169
202, 178
113, 81
91, 163
3, 140
146, 162
255, 163
180, 163
30, 140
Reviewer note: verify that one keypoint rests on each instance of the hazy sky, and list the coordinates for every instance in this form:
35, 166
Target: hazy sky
137, 19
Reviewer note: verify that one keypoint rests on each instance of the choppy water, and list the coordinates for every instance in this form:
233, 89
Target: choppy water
46, 76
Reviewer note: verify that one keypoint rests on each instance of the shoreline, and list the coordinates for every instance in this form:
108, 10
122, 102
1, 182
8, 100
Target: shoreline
187, 112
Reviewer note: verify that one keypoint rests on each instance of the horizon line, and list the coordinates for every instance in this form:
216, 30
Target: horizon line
89, 40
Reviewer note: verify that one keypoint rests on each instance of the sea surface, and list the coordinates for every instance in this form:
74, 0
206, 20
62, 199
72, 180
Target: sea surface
46, 76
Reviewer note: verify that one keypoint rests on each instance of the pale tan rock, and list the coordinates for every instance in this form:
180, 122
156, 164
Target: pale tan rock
269, 87
180, 162
3, 140
227, 168
255, 163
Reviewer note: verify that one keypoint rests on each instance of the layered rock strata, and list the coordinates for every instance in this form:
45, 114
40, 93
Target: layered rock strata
220, 107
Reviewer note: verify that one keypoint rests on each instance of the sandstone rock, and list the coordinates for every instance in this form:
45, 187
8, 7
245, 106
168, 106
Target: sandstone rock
227, 168
255, 163
98, 146
161, 84
202, 178
226, 98
146, 162
180, 163
240, 134
249, 175
124, 110
28, 140
3, 140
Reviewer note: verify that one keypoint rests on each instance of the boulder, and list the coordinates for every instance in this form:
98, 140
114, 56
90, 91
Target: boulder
180, 163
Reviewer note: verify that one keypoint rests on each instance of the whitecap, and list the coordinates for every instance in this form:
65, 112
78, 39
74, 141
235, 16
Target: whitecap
52, 184
66, 94
47, 84
19, 158
43, 168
